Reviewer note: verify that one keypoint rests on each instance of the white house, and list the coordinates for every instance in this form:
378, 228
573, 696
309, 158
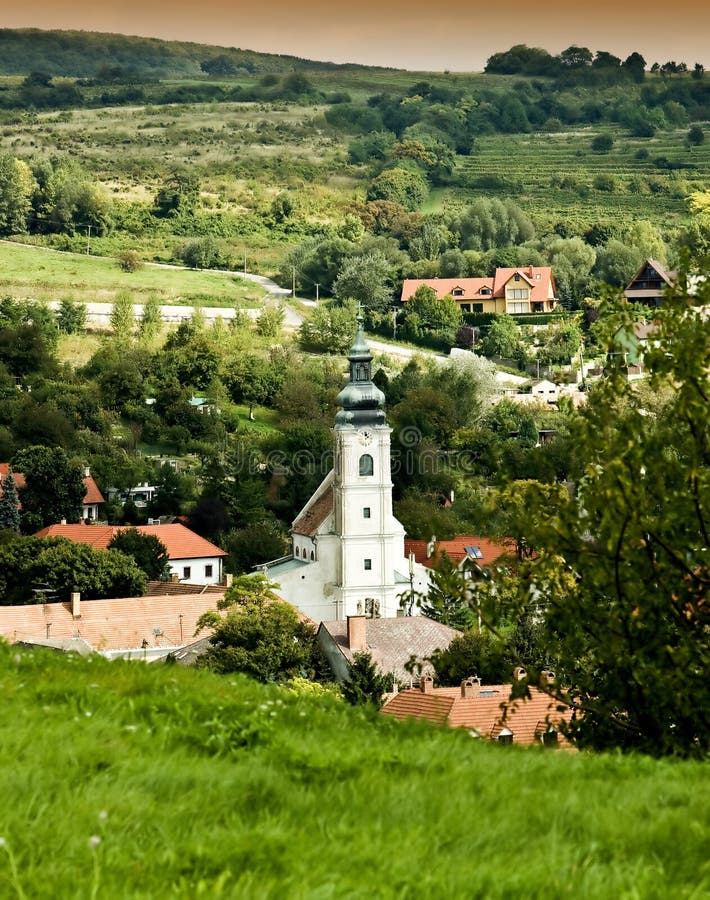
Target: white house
192, 559
348, 549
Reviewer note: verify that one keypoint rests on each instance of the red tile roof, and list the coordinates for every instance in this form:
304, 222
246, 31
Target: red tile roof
120, 624
455, 549
317, 511
538, 278
92, 495
180, 542
483, 714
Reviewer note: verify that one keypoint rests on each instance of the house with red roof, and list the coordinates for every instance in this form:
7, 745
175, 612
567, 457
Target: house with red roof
192, 559
93, 498
516, 291
485, 711
461, 549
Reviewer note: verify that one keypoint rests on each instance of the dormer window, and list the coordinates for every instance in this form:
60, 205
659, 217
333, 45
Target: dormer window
516, 277
505, 737
457, 292
486, 291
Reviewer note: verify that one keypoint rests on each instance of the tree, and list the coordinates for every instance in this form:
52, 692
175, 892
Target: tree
178, 195
249, 547
572, 261
602, 143
16, 188
330, 329
9, 504
365, 684
366, 279
447, 599
71, 316
617, 263
53, 490
635, 65
404, 186
146, 550
696, 135
260, 635
475, 652
121, 320
151, 320
130, 261
503, 337
200, 253
623, 563
425, 314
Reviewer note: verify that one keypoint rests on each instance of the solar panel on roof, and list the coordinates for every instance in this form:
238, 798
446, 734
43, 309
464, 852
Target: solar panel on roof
474, 552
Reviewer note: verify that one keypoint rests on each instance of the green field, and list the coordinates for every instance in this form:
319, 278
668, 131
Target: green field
30, 272
130, 780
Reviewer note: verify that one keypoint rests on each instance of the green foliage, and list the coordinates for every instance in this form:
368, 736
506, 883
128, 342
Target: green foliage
260, 635
502, 338
696, 135
602, 143
622, 564
365, 685
9, 504
71, 316
129, 261
367, 279
151, 320
404, 186
147, 551
200, 253
447, 600
121, 320
475, 652
16, 189
61, 567
487, 224
53, 490
178, 195
425, 315
330, 329
252, 546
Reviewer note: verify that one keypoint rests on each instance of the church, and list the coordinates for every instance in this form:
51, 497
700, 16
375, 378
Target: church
348, 549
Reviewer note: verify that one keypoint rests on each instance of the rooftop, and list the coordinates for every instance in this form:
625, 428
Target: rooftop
481, 550
180, 542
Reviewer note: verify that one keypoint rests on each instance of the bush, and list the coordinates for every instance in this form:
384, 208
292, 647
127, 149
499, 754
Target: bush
602, 143
129, 261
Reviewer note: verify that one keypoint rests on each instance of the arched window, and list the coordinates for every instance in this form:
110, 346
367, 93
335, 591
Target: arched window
367, 466
313, 555
298, 551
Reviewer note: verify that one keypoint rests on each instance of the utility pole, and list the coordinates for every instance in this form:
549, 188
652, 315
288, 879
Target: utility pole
88, 240
317, 292
245, 262
293, 282
394, 324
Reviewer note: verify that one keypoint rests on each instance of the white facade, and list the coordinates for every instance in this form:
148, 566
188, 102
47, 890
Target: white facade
348, 548
197, 570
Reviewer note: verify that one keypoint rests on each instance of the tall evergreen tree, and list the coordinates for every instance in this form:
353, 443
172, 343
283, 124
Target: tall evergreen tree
9, 505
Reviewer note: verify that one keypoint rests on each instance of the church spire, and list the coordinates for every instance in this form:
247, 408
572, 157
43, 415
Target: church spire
361, 399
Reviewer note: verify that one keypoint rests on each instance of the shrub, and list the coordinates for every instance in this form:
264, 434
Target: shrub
129, 261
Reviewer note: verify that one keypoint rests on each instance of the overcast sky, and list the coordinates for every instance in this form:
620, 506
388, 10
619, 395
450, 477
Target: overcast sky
412, 34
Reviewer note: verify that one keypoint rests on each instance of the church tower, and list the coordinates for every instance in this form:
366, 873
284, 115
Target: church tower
371, 540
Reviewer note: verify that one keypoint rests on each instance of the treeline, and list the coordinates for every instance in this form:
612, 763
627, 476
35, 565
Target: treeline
579, 65
83, 53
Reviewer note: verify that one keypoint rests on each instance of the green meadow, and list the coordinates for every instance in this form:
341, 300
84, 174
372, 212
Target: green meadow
39, 274
131, 780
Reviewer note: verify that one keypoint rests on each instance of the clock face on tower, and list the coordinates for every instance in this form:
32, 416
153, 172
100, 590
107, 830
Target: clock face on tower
365, 438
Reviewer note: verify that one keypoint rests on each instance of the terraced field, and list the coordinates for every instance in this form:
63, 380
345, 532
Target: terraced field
559, 176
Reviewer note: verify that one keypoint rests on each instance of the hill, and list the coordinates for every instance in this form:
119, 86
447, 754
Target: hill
126, 780
85, 53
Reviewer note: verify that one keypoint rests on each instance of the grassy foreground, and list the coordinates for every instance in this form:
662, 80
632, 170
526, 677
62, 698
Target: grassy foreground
124, 780
39, 274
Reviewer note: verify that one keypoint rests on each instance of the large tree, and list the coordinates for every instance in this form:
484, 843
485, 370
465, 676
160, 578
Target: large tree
54, 487
622, 564
147, 551
9, 504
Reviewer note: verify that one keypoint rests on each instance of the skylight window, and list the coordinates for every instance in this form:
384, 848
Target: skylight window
473, 552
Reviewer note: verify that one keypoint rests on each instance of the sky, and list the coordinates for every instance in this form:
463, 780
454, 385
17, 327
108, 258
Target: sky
458, 35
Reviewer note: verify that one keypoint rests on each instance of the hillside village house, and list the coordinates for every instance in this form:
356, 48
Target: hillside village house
463, 549
528, 289
93, 499
192, 559
347, 554
649, 284
485, 711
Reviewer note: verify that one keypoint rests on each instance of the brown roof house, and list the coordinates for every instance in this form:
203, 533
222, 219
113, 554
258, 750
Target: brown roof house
390, 642
526, 289
191, 558
93, 498
649, 284
485, 711
461, 549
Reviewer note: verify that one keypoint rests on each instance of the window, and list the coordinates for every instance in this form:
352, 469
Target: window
457, 292
516, 277
367, 466
313, 555
208, 571
477, 307
518, 308
368, 565
366, 512
465, 307
518, 294
549, 738
298, 551
186, 571
505, 737
485, 291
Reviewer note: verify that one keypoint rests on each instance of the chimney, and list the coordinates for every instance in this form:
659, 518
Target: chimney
547, 677
63, 522
75, 605
471, 687
519, 673
357, 633
426, 684
87, 472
